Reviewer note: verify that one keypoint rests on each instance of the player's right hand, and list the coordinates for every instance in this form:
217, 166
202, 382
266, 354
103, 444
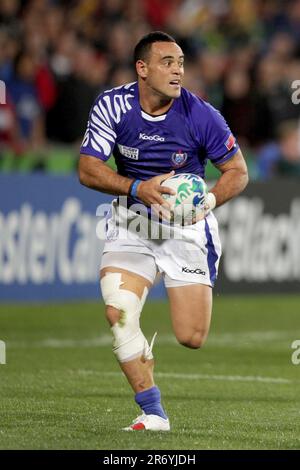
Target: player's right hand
150, 193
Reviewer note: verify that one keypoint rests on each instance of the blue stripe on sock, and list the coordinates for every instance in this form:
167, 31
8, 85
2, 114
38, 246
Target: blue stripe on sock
149, 401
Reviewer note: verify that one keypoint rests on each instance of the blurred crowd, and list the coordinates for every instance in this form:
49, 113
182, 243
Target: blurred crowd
243, 56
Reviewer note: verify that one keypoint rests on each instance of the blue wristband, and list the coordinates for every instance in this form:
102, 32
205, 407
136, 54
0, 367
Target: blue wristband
133, 190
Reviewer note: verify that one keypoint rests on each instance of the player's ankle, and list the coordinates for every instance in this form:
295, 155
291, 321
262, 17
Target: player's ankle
149, 401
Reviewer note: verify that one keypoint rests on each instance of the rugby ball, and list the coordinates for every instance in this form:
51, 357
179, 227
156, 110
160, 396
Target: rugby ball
189, 199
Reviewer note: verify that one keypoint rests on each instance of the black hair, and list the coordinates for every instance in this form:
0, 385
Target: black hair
142, 48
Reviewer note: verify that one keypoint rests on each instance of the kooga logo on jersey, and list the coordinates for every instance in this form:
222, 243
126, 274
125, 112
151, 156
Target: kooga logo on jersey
156, 138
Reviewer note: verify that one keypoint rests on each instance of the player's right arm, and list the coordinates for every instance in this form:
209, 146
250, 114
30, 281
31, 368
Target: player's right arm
95, 174
97, 146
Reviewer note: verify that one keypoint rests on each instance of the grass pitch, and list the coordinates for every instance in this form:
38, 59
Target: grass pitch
61, 387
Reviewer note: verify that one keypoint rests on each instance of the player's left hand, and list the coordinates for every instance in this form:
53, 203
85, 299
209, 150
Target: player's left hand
210, 203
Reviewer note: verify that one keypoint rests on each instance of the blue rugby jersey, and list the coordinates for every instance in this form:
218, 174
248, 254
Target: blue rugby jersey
183, 139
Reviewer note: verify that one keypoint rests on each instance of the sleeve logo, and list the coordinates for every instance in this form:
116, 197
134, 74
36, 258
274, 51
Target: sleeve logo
129, 152
230, 142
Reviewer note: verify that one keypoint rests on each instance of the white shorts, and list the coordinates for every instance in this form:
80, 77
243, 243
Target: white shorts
191, 255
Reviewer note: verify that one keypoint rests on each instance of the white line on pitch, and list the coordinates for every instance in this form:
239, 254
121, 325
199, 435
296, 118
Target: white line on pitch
237, 340
175, 375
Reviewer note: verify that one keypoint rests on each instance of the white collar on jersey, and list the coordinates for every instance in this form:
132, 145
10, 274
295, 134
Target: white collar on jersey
148, 117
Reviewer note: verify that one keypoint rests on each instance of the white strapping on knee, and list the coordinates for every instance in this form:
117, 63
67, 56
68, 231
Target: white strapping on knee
129, 341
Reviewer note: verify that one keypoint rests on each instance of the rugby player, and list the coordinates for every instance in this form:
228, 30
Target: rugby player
154, 127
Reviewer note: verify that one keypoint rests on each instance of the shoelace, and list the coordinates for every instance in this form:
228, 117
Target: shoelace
152, 342
148, 350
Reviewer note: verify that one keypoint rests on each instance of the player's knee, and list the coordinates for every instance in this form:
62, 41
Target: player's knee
112, 314
123, 309
193, 340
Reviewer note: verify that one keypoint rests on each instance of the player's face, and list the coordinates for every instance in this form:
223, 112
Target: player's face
163, 71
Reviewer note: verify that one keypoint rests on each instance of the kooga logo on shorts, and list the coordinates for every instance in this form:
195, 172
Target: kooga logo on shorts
193, 271
156, 138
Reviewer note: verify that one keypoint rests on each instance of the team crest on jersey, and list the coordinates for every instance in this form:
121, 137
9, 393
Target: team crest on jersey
179, 158
129, 152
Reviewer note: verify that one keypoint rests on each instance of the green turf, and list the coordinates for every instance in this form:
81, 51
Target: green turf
61, 387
